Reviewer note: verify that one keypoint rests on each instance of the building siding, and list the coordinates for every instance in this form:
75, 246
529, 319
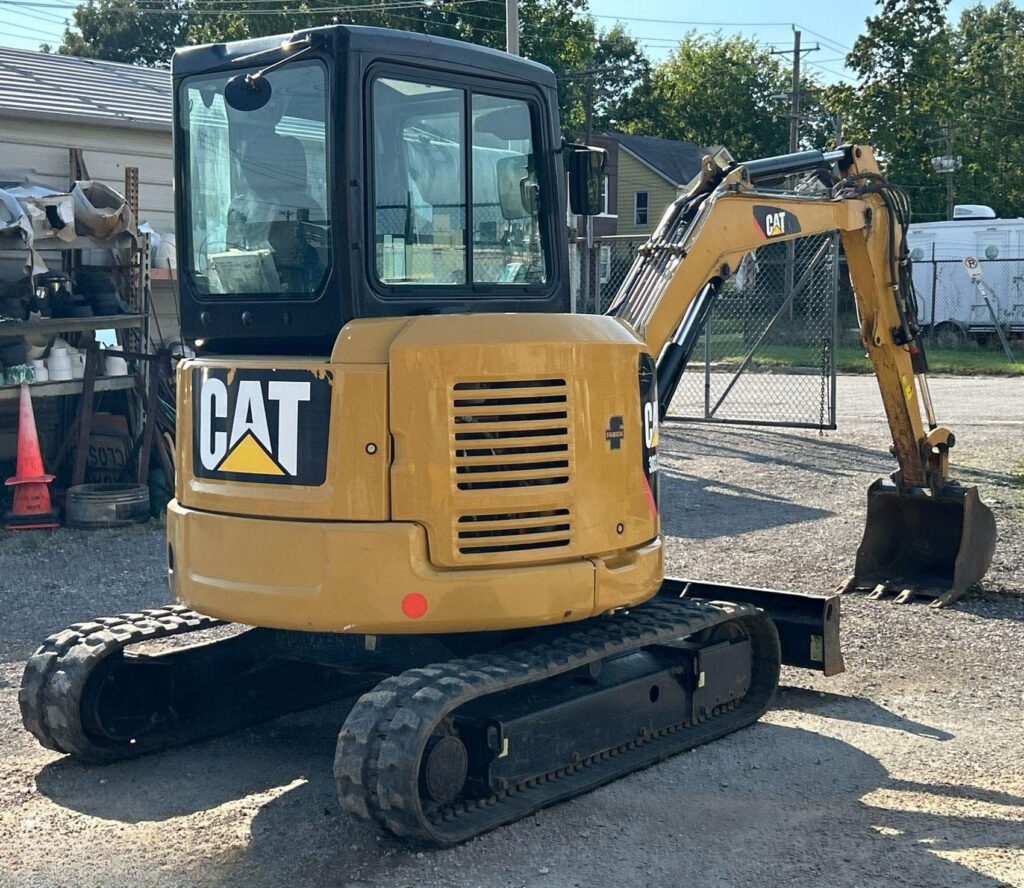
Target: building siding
634, 176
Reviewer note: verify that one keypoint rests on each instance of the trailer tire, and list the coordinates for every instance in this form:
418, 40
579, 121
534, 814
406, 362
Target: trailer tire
950, 335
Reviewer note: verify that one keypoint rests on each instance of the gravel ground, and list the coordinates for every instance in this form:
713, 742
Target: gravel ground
905, 770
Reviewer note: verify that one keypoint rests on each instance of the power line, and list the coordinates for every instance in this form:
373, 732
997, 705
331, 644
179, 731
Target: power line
32, 31
839, 46
626, 18
36, 15
150, 10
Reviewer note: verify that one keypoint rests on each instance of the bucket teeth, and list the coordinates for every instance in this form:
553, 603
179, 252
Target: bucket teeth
878, 592
904, 597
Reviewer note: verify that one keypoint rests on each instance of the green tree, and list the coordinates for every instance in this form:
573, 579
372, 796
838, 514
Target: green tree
988, 83
610, 69
716, 90
903, 101
115, 30
627, 74
557, 33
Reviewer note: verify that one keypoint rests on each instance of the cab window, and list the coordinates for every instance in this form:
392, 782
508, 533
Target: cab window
456, 194
257, 217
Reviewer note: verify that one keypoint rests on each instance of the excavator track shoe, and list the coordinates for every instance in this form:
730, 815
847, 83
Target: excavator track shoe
676, 674
918, 544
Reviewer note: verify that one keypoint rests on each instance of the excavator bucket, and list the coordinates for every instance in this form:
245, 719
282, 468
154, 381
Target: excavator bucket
915, 543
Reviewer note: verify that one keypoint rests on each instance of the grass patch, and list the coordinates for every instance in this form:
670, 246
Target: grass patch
850, 359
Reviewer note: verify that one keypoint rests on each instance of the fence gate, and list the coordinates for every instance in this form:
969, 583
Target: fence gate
767, 353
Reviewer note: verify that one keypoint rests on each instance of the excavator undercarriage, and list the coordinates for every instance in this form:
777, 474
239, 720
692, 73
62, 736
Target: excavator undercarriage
452, 735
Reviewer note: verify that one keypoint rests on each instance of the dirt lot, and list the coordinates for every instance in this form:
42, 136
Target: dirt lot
906, 770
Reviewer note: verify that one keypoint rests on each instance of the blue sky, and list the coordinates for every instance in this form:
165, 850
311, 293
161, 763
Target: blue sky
837, 24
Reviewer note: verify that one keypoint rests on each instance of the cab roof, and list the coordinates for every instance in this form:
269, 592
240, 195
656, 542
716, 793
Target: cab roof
411, 46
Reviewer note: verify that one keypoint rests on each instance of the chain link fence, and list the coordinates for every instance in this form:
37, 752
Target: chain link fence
971, 306
767, 352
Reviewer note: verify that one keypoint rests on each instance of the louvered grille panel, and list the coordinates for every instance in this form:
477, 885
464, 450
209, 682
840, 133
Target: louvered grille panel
508, 435
513, 531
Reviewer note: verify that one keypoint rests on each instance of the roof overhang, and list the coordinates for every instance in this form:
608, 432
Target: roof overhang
86, 119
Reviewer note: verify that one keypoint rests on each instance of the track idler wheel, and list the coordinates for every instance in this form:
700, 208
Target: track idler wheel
445, 766
918, 543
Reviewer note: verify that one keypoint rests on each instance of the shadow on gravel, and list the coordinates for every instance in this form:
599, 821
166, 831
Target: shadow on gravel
814, 455
999, 603
800, 804
853, 709
797, 815
697, 508
199, 777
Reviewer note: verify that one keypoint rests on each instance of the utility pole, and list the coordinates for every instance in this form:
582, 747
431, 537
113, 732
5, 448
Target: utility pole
588, 221
947, 165
512, 27
951, 170
794, 100
794, 146
588, 272
798, 53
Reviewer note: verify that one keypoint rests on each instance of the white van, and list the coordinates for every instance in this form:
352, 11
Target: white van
948, 298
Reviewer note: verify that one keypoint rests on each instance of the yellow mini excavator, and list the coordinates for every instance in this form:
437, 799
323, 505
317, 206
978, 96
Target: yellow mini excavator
407, 472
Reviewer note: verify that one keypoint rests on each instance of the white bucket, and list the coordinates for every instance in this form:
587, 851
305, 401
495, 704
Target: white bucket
59, 365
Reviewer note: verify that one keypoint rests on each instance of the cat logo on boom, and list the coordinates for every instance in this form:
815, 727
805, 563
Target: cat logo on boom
269, 426
773, 222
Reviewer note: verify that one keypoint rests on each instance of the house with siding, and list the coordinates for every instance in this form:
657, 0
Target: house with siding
651, 173
643, 175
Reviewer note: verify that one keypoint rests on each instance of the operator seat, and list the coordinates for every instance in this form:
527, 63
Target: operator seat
279, 210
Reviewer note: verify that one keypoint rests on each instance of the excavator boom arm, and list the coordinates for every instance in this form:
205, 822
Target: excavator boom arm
923, 534
677, 277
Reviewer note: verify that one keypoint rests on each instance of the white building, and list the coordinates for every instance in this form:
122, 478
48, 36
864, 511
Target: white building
119, 115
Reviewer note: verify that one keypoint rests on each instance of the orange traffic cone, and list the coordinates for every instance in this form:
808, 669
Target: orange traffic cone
32, 508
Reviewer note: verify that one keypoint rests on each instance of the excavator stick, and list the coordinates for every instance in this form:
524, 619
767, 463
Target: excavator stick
917, 543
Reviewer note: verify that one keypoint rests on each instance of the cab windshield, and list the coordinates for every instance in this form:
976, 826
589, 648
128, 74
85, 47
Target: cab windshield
256, 191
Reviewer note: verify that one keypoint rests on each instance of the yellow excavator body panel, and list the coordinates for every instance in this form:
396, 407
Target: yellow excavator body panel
435, 474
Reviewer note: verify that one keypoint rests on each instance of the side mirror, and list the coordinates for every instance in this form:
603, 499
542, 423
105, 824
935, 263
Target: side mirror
586, 170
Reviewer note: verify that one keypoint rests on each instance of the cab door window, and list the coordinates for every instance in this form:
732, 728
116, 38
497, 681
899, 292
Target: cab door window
451, 209
419, 182
506, 194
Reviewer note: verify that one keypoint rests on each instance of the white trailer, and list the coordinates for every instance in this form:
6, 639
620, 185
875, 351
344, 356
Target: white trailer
948, 298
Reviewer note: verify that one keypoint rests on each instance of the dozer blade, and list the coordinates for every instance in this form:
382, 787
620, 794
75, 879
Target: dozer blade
916, 543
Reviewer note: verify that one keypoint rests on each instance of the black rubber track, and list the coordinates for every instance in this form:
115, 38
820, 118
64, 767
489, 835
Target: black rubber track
235, 693
381, 745
57, 673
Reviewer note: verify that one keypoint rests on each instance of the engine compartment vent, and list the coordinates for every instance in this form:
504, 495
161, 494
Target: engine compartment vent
513, 531
511, 433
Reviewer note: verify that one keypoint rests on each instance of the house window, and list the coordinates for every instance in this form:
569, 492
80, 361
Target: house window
604, 195
605, 264
640, 208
